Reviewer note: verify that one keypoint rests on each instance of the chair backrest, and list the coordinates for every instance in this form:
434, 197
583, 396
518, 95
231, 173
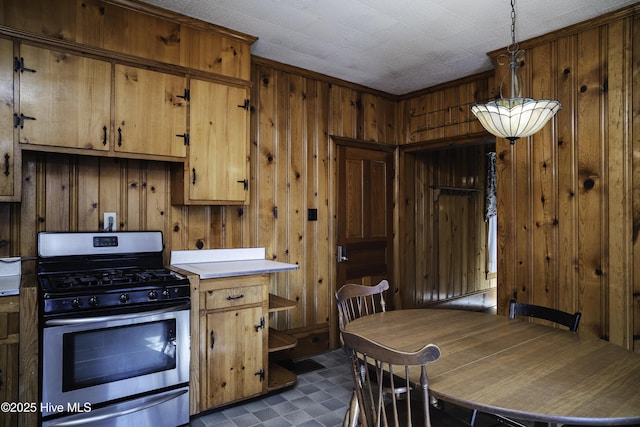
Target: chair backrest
571, 321
355, 301
370, 362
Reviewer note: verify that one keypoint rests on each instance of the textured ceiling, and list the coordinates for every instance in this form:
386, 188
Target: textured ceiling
396, 46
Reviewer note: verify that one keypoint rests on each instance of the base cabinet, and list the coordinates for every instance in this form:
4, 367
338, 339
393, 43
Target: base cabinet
231, 341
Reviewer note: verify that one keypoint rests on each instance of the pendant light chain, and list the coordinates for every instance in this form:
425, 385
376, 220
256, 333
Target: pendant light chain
514, 46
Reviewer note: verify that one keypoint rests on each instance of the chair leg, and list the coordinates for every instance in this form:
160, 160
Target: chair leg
474, 414
352, 414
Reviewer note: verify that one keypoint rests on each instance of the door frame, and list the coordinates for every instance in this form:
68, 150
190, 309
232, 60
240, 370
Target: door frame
339, 141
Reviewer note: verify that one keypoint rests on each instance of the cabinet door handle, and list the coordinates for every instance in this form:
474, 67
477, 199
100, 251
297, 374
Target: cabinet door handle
6, 164
194, 176
104, 135
245, 182
119, 137
213, 339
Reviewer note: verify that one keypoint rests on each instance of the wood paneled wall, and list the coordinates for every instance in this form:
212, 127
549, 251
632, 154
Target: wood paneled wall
568, 201
293, 169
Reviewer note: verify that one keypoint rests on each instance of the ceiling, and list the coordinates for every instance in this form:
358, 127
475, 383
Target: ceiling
396, 46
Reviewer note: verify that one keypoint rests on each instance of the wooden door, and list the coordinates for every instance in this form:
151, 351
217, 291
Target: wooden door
218, 158
365, 216
65, 99
234, 356
9, 166
150, 113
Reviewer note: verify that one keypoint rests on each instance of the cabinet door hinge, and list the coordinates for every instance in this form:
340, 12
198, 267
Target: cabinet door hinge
185, 136
245, 184
18, 65
18, 120
186, 96
260, 325
261, 374
245, 105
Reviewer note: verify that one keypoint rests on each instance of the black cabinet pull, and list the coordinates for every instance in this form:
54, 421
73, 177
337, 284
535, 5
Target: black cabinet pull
245, 182
119, 137
6, 164
245, 105
230, 298
194, 176
104, 135
213, 339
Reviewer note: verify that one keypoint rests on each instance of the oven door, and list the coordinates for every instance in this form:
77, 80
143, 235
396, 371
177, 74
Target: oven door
98, 359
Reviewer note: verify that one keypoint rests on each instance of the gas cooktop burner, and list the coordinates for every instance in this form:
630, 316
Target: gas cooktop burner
108, 278
78, 272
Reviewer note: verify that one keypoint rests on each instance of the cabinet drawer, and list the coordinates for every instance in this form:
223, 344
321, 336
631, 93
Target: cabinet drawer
233, 297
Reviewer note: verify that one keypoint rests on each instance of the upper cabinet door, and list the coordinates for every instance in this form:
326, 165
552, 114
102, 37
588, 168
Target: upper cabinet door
9, 166
65, 99
150, 112
218, 156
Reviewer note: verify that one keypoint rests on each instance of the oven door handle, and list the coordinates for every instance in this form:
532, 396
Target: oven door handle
86, 320
106, 415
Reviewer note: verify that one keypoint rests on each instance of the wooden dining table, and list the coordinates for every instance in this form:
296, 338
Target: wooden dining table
516, 368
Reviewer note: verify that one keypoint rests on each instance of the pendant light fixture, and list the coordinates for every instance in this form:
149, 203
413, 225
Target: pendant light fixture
515, 117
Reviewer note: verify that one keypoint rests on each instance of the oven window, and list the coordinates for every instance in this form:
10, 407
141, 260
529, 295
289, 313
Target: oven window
102, 356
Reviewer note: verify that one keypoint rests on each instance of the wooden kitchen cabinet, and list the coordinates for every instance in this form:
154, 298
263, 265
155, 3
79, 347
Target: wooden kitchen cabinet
65, 100
9, 355
229, 359
150, 112
10, 163
217, 167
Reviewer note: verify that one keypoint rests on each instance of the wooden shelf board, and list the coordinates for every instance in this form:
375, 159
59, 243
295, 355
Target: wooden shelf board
277, 303
280, 377
280, 340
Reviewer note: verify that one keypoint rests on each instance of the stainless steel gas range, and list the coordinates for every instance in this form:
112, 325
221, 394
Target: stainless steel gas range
114, 329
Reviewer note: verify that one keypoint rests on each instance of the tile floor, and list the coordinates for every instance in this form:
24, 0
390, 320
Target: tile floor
319, 399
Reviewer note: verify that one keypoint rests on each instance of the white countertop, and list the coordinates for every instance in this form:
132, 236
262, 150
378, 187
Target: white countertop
10, 275
214, 263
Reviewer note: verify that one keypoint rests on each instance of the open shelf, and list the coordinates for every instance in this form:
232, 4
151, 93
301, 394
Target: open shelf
280, 377
277, 303
280, 340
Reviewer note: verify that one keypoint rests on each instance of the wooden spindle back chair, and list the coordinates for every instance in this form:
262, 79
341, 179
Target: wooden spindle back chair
371, 361
355, 301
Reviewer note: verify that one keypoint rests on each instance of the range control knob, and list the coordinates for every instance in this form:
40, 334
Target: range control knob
166, 294
152, 295
76, 303
93, 301
124, 298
